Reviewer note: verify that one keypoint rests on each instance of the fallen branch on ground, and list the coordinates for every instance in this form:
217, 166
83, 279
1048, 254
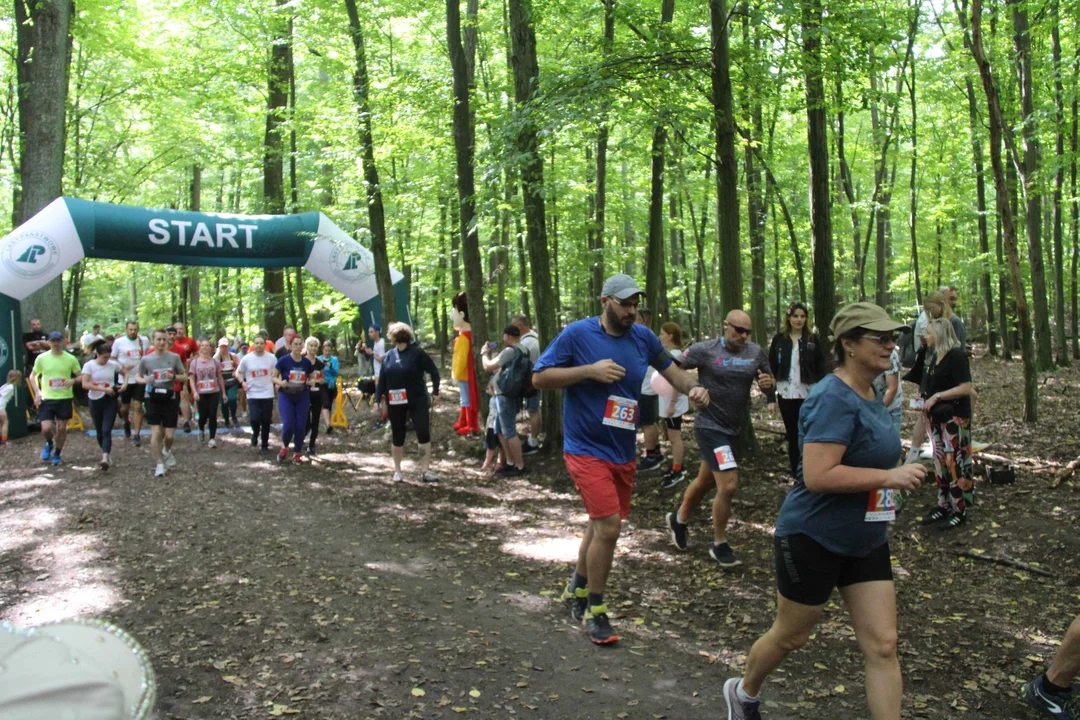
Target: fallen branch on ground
1066, 472
1006, 560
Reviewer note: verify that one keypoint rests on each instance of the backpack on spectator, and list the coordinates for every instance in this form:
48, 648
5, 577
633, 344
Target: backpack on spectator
515, 380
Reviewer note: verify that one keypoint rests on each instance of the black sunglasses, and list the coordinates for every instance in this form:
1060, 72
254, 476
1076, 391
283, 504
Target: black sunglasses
739, 330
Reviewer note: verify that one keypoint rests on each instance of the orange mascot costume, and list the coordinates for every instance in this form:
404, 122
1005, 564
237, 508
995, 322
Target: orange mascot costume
463, 369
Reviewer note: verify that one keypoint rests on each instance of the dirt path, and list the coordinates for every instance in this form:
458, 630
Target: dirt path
329, 592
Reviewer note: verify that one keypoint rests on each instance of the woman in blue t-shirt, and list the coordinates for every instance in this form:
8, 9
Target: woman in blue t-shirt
292, 377
831, 531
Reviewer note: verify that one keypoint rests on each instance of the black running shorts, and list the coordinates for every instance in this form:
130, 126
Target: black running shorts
161, 412
55, 410
132, 393
649, 408
673, 423
807, 571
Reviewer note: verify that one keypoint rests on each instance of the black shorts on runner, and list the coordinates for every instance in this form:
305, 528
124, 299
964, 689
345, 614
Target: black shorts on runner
807, 571
708, 441
673, 423
55, 410
132, 393
649, 406
161, 412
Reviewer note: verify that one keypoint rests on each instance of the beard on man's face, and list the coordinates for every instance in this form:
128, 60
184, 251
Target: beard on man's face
615, 319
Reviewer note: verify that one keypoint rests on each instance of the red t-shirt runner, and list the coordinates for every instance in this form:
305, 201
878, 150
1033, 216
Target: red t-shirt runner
185, 347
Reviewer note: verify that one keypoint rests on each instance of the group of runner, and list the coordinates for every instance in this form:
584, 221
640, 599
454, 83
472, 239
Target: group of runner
168, 376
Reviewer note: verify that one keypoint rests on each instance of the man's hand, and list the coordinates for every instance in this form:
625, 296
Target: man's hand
699, 396
37, 401
765, 381
607, 371
434, 401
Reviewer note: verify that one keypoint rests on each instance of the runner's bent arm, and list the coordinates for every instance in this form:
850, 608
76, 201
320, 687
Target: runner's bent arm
685, 383
823, 472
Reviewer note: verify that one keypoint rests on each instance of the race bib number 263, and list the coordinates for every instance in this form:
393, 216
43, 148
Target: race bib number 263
621, 412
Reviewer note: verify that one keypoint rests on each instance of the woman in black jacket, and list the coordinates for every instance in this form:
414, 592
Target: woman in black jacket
402, 393
797, 362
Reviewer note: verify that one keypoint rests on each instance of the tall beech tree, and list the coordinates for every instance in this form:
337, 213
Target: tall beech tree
818, 145
654, 253
376, 211
43, 58
727, 164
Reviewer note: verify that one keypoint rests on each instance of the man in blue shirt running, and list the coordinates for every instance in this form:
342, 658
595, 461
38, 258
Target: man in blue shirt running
600, 362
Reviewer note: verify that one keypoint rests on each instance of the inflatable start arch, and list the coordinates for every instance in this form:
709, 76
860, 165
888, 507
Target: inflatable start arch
68, 230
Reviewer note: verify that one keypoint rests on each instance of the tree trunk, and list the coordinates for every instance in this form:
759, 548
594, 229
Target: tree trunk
1031, 379
1032, 188
1062, 345
526, 82
818, 141
755, 204
44, 56
273, 161
596, 259
376, 213
1075, 205
912, 192
849, 189
654, 253
727, 170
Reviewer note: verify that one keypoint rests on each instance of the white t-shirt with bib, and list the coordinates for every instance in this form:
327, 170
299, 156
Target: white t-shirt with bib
102, 376
258, 372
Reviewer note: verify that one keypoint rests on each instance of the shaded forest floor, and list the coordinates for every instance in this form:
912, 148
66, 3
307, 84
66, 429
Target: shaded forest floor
327, 591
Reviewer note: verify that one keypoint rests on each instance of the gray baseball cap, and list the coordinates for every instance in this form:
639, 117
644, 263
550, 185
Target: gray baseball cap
620, 287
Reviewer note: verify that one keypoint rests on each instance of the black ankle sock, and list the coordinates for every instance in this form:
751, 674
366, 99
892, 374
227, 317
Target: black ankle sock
578, 581
653, 453
596, 599
1051, 687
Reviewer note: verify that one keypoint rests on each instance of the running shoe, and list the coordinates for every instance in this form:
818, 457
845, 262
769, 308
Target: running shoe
724, 557
283, 455
136, 441
311, 451
953, 521
680, 533
398, 478
597, 625
127, 428
297, 459
650, 463
264, 450
429, 478
159, 471
212, 443
227, 423
673, 478
575, 603
1060, 707
329, 429
46, 452
187, 427
202, 436
170, 459
506, 469
530, 448
56, 459
254, 440
105, 464
739, 709
937, 515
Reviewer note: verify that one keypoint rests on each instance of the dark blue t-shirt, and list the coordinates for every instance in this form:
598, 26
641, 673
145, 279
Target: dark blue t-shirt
834, 413
295, 372
599, 420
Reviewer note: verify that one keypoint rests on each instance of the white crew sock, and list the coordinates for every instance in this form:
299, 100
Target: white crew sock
742, 694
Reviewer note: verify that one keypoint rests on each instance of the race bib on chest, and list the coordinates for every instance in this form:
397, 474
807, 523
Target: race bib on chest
162, 375
56, 383
725, 458
621, 413
101, 386
399, 397
133, 354
297, 376
316, 375
227, 366
260, 373
207, 385
881, 506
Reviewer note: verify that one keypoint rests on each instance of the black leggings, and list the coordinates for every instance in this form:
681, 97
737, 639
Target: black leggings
315, 416
208, 407
789, 410
421, 418
103, 413
262, 414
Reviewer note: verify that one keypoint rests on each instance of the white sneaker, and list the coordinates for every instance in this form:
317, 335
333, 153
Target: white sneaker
398, 478
170, 459
212, 443
159, 471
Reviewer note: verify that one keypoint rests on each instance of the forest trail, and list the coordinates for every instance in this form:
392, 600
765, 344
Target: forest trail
327, 591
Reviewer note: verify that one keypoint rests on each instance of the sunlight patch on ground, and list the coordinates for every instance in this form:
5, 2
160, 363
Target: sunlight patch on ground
545, 549
17, 528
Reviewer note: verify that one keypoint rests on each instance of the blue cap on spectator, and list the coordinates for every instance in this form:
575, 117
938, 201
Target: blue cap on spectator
376, 327
56, 335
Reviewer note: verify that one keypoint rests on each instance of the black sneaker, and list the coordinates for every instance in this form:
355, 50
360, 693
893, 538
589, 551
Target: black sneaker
937, 515
506, 469
723, 555
127, 428
575, 604
254, 440
136, 441
187, 427
329, 429
953, 521
598, 627
740, 709
1060, 707
673, 478
650, 463
680, 534
530, 449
